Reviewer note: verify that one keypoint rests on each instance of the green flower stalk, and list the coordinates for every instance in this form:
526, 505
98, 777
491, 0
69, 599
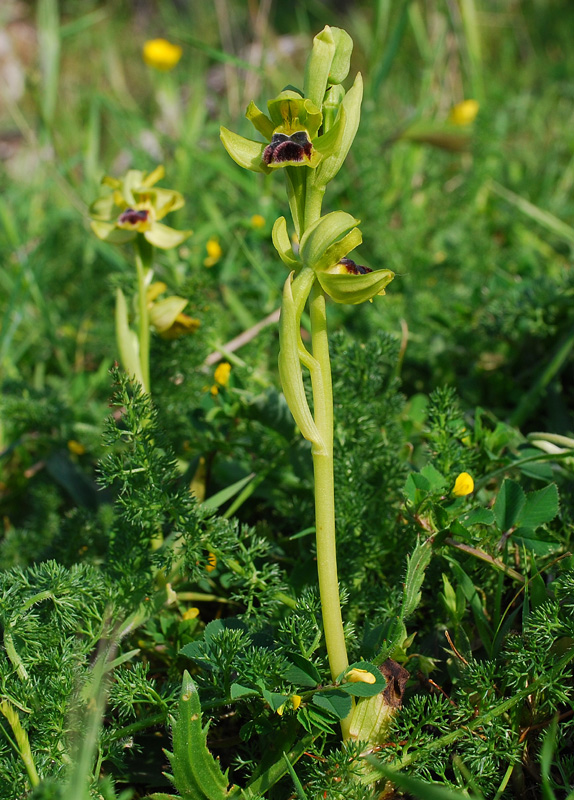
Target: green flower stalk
132, 213
308, 135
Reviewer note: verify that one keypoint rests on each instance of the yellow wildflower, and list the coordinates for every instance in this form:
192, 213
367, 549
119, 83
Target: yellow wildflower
296, 701
357, 675
463, 485
161, 54
222, 373
76, 447
464, 113
214, 252
257, 221
191, 613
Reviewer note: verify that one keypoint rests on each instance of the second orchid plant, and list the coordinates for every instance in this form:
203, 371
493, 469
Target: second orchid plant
309, 135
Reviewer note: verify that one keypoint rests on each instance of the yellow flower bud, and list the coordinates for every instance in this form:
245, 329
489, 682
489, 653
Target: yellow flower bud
191, 613
76, 447
357, 675
211, 562
296, 701
161, 54
463, 485
214, 252
464, 113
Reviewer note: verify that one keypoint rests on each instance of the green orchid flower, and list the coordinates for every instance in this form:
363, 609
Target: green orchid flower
324, 248
136, 206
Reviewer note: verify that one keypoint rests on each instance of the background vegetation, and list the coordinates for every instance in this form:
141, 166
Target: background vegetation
465, 365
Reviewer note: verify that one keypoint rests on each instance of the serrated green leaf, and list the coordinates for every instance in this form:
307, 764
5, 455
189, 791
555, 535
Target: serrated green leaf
197, 775
334, 700
509, 504
540, 507
416, 487
416, 566
435, 478
525, 537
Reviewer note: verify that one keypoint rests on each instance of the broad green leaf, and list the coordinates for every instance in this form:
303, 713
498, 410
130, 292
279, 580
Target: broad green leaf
478, 516
334, 700
540, 507
301, 672
237, 691
435, 478
274, 699
526, 537
361, 689
416, 487
509, 504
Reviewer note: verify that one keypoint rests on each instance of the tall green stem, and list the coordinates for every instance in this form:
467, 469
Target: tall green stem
143, 253
325, 494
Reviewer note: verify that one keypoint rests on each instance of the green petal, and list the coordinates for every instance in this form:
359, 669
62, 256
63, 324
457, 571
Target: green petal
355, 289
245, 152
338, 250
282, 244
153, 177
164, 237
352, 116
324, 233
290, 113
107, 232
162, 314
259, 120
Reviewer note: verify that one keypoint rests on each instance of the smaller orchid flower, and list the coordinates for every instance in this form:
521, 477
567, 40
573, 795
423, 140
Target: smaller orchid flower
324, 248
136, 206
166, 315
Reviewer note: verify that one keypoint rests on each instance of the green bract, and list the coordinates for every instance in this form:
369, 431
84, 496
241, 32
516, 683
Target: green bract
135, 206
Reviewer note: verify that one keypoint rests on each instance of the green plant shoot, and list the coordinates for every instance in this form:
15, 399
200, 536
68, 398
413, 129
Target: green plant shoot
308, 136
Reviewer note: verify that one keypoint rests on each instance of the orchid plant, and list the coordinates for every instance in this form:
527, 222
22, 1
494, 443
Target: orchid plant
308, 136
131, 213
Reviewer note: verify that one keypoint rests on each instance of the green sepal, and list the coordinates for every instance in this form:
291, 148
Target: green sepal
259, 120
341, 62
322, 234
154, 176
164, 237
127, 340
103, 208
162, 200
196, 774
245, 152
333, 99
354, 289
290, 112
331, 142
351, 105
282, 244
107, 232
163, 313
290, 349
318, 66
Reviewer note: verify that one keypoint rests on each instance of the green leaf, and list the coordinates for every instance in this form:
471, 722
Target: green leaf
237, 691
274, 699
525, 537
478, 516
318, 66
415, 786
342, 58
436, 479
300, 791
416, 567
221, 497
416, 487
196, 774
301, 672
334, 700
540, 507
324, 233
127, 340
509, 504
361, 689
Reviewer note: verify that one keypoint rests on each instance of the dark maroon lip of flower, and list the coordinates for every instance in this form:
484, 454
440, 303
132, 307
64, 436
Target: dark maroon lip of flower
283, 148
131, 217
354, 269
